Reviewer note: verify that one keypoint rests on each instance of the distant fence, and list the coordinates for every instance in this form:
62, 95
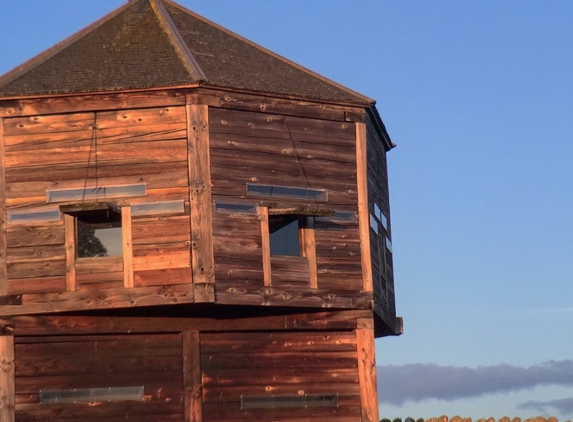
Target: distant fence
460, 419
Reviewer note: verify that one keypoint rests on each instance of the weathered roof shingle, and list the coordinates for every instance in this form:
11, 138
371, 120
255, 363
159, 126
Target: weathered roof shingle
158, 43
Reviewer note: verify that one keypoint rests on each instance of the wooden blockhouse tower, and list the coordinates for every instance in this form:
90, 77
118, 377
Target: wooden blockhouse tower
192, 228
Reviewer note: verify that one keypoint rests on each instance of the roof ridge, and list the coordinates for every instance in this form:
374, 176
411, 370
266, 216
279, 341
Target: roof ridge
51, 52
271, 53
180, 46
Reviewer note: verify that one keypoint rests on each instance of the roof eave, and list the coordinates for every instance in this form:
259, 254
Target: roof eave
380, 127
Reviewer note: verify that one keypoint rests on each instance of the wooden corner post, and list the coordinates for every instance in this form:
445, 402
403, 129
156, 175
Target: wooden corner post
70, 239
263, 213
363, 216
192, 376
7, 374
3, 217
127, 247
367, 369
308, 247
199, 167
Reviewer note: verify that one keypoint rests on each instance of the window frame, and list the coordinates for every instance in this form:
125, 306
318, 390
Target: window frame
74, 261
307, 243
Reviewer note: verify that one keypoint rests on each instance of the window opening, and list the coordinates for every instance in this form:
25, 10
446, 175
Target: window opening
287, 192
29, 216
88, 395
102, 192
374, 224
384, 221
235, 208
157, 208
284, 233
377, 211
98, 229
293, 401
339, 216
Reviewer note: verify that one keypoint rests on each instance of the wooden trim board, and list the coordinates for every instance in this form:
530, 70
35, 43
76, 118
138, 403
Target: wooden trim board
363, 216
263, 213
199, 167
127, 247
7, 374
193, 397
3, 217
367, 369
70, 239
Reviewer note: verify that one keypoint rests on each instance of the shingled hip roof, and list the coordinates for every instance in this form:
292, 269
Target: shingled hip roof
158, 43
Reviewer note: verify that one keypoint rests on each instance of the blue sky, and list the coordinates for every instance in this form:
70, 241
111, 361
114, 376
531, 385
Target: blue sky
478, 97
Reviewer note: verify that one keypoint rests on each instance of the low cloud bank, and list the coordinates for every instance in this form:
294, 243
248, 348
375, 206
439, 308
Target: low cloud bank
418, 382
563, 406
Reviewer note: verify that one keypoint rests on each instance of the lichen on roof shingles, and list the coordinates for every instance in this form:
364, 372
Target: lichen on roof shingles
129, 51
230, 62
132, 50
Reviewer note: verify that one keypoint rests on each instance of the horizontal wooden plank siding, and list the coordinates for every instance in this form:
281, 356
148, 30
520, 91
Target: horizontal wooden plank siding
237, 249
272, 149
378, 200
153, 361
89, 148
250, 147
259, 364
161, 250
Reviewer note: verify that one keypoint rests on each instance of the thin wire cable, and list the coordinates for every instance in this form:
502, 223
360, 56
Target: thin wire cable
93, 139
301, 167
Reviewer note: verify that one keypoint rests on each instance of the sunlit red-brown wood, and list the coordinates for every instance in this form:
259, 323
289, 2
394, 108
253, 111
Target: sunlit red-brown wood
7, 373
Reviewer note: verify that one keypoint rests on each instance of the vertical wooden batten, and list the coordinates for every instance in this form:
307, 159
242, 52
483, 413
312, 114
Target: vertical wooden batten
127, 247
308, 247
367, 369
263, 213
70, 239
193, 399
199, 168
3, 217
363, 217
7, 374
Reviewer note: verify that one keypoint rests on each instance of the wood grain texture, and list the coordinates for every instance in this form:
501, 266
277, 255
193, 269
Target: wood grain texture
153, 361
3, 216
96, 299
291, 296
7, 376
252, 363
127, 247
70, 325
381, 256
277, 105
263, 213
367, 369
94, 102
192, 383
199, 164
37, 285
363, 216
308, 248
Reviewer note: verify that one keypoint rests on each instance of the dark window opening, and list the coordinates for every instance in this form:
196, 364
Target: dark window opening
287, 192
285, 239
88, 395
98, 233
